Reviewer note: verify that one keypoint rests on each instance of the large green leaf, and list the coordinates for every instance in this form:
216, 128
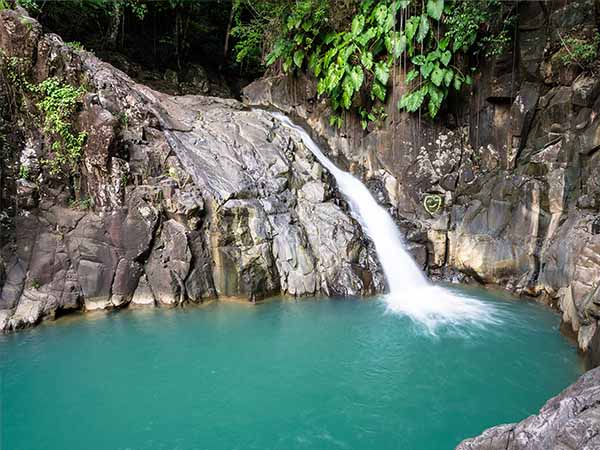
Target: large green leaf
321, 86
436, 96
444, 44
457, 83
347, 92
413, 101
411, 75
366, 36
366, 59
277, 52
357, 76
435, 8
427, 68
419, 60
380, 14
448, 75
395, 44
411, 27
298, 58
335, 120
423, 28
382, 72
329, 56
358, 24
445, 57
343, 55
378, 91
287, 64
314, 64
437, 76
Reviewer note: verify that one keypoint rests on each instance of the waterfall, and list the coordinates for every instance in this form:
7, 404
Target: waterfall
410, 292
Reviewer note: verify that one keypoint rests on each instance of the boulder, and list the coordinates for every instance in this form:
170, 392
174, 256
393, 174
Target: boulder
569, 421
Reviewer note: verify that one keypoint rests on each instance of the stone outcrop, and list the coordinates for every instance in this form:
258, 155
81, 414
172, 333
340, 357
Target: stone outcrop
513, 166
569, 421
180, 199
183, 199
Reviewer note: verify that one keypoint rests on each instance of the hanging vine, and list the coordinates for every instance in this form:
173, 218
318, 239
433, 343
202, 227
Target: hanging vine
353, 64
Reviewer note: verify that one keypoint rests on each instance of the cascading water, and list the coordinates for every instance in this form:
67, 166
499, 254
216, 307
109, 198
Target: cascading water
410, 293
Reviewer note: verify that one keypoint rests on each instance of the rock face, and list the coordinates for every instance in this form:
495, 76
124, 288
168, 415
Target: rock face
502, 188
180, 199
569, 421
183, 199
513, 167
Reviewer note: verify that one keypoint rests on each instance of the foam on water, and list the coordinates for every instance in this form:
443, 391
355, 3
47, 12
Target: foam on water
410, 293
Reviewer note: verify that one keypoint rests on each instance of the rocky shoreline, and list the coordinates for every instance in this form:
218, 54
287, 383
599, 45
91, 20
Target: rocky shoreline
182, 199
569, 421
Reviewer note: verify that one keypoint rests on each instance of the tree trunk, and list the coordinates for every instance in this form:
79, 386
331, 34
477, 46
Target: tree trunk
113, 27
229, 25
177, 37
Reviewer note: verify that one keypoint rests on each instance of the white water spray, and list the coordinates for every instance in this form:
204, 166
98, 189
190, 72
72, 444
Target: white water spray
410, 292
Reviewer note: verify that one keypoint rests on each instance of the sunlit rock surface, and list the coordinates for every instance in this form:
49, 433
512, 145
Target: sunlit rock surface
181, 199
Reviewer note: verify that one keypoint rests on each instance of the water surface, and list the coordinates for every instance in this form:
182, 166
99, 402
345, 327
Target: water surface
327, 374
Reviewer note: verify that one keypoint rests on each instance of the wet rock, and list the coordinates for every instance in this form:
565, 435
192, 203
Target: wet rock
169, 264
569, 421
143, 295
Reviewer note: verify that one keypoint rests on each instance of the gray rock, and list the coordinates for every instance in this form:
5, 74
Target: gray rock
569, 421
190, 198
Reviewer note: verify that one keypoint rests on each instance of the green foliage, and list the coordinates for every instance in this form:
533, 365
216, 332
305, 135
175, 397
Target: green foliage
58, 103
83, 203
304, 23
348, 62
354, 65
580, 51
254, 26
75, 45
123, 118
30, 5
110, 7
24, 172
435, 71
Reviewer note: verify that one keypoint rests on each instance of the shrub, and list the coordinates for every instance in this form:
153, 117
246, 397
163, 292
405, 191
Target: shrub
58, 102
579, 51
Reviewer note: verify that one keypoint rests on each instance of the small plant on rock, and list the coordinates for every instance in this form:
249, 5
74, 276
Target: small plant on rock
75, 45
24, 172
579, 51
58, 103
